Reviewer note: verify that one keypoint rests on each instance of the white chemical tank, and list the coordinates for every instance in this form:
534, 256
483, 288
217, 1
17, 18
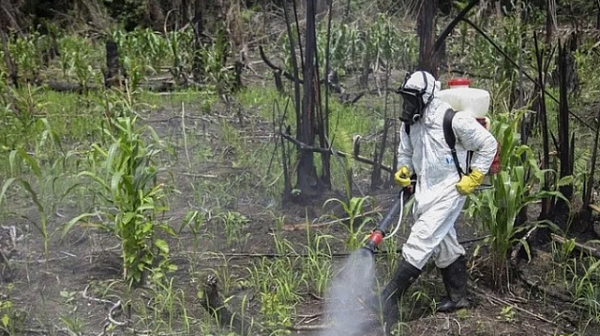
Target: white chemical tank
465, 99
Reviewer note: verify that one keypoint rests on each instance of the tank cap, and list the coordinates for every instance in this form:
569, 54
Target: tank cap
459, 82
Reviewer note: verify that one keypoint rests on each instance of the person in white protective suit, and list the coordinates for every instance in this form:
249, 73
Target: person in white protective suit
440, 191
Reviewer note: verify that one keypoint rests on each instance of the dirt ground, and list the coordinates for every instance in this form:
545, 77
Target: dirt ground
78, 283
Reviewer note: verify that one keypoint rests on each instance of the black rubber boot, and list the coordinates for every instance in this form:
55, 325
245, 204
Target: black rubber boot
405, 275
455, 280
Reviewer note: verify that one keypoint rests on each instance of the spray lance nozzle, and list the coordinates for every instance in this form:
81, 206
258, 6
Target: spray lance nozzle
382, 228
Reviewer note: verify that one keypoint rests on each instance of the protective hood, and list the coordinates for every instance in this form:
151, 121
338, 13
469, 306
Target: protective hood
418, 91
425, 82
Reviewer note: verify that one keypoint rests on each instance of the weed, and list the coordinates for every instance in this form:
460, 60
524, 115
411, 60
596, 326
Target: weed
234, 223
507, 314
317, 264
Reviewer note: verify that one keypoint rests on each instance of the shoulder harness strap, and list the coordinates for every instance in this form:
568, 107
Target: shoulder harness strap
451, 138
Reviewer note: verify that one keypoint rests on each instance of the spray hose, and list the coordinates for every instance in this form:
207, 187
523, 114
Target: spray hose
381, 231
393, 233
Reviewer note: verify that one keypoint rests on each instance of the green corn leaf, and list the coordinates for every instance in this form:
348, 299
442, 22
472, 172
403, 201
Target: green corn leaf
566, 180
67, 226
5, 187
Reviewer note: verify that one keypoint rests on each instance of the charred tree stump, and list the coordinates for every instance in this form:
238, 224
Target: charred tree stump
278, 82
114, 71
212, 302
237, 84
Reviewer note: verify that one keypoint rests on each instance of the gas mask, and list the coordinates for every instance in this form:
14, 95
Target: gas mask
413, 105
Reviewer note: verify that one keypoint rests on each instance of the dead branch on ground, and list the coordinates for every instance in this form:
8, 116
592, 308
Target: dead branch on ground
305, 147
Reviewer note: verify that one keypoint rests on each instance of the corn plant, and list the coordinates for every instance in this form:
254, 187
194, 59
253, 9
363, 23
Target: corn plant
517, 185
127, 174
354, 209
47, 172
27, 51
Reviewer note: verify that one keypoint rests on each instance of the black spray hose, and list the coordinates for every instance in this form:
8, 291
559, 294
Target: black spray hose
384, 225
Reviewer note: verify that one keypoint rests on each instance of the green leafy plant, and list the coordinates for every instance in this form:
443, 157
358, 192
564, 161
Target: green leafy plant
234, 223
354, 209
127, 174
517, 185
47, 172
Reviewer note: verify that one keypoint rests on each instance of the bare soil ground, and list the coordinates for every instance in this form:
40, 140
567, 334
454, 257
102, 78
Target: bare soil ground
79, 281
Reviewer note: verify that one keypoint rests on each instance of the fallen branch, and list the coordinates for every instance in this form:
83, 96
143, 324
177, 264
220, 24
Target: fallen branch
275, 67
110, 314
514, 306
583, 248
521, 244
304, 147
595, 208
295, 227
85, 296
301, 255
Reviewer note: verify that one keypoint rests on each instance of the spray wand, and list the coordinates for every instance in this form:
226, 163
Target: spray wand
381, 231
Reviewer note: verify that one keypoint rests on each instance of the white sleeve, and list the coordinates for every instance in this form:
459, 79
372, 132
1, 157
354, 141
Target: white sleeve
474, 137
405, 150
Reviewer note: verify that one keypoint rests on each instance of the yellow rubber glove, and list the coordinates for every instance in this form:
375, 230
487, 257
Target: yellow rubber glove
402, 177
468, 183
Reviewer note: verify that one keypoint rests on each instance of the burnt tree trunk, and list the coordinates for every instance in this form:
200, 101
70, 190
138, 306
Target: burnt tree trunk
598, 14
308, 182
564, 150
198, 65
428, 61
113, 74
588, 186
550, 23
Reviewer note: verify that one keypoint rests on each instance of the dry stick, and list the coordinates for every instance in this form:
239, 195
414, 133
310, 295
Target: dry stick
304, 255
590, 250
506, 303
517, 249
110, 314
305, 147
294, 227
185, 143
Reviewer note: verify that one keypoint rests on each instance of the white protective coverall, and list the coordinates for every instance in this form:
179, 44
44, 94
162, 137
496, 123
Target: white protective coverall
437, 201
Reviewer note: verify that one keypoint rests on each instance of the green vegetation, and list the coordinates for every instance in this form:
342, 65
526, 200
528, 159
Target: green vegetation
116, 202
